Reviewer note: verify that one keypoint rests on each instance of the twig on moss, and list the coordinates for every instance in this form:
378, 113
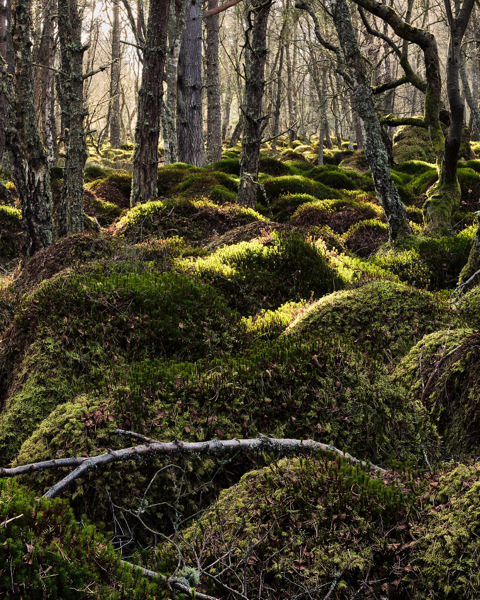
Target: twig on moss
153, 447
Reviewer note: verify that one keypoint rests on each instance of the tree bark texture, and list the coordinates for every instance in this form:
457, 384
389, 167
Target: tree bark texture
254, 122
147, 130
471, 101
191, 147
375, 151
214, 109
70, 210
30, 170
115, 125
6, 54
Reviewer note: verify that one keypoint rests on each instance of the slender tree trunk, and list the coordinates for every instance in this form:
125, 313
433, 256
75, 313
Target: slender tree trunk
291, 94
471, 101
6, 54
227, 105
214, 109
176, 27
375, 152
255, 122
189, 92
237, 132
115, 127
147, 130
278, 102
70, 209
30, 170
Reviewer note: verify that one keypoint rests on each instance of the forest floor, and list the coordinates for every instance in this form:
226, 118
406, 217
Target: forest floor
192, 318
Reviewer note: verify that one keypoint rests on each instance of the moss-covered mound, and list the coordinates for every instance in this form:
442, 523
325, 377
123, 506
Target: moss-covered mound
412, 143
94, 171
447, 552
46, 554
285, 206
366, 237
274, 167
414, 167
74, 328
470, 308
228, 165
337, 178
105, 212
196, 220
340, 215
11, 238
296, 184
444, 371
170, 176
267, 273
202, 183
303, 524
257, 230
434, 263
382, 317
470, 185
354, 160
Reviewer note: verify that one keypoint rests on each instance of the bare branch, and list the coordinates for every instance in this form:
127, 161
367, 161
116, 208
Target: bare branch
219, 9
153, 447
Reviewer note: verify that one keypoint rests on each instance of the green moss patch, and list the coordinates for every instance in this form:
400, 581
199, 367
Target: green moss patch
412, 143
253, 275
11, 238
228, 165
444, 370
354, 160
340, 215
196, 220
274, 167
170, 176
366, 237
105, 212
286, 205
382, 317
296, 184
337, 178
470, 308
202, 182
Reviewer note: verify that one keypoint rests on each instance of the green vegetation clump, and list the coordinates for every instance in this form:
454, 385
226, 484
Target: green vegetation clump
105, 212
311, 523
414, 167
274, 167
348, 159
443, 369
193, 219
339, 214
286, 205
470, 308
382, 317
228, 165
170, 176
447, 553
95, 171
221, 195
337, 178
253, 275
297, 184
46, 554
201, 182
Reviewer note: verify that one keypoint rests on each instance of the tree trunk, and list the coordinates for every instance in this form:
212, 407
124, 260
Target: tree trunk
278, 102
147, 130
254, 121
70, 209
189, 91
471, 101
115, 126
227, 105
214, 111
291, 94
30, 170
375, 152
6, 52
237, 132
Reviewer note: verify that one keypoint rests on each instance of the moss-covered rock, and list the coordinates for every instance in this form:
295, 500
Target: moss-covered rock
267, 273
339, 214
366, 237
49, 555
353, 160
383, 317
95, 171
469, 309
412, 143
194, 219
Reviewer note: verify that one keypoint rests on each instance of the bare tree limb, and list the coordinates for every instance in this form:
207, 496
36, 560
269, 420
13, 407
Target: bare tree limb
153, 447
219, 9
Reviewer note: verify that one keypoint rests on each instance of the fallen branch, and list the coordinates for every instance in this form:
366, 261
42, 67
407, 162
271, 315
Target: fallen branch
174, 583
153, 447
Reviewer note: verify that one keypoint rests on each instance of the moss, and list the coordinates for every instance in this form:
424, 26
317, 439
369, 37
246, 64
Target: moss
11, 238
470, 308
286, 205
221, 195
337, 178
105, 212
270, 323
310, 524
228, 165
353, 160
469, 181
196, 220
412, 143
414, 167
274, 167
382, 317
122, 180
254, 276
366, 237
170, 176
447, 553
443, 369
296, 184
201, 182
52, 556
94, 171
338, 214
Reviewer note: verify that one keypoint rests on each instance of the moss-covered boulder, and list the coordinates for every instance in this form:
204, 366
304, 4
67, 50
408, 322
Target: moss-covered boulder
366, 237
303, 524
443, 370
339, 214
195, 220
412, 143
382, 317
266, 273
50, 555
469, 308
356, 161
